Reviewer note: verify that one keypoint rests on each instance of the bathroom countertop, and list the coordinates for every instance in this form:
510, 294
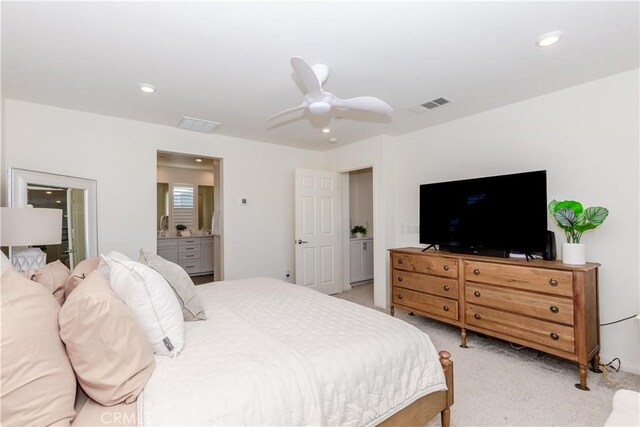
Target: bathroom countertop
183, 237
362, 238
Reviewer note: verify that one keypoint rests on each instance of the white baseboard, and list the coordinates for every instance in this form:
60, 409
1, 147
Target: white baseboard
633, 368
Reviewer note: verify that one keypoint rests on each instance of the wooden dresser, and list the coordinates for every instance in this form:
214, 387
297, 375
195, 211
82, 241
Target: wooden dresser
545, 305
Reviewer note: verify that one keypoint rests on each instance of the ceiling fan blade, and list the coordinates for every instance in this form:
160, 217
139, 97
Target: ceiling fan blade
364, 103
287, 111
306, 75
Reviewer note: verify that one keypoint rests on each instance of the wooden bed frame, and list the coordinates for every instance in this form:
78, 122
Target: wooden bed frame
427, 407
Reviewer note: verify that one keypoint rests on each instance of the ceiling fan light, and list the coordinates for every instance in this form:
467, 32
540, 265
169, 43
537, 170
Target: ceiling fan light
326, 130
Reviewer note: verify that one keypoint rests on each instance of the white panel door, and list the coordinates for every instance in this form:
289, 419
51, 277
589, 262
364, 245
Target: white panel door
317, 230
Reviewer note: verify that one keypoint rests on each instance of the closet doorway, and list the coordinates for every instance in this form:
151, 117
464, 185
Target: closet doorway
189, 214
358, 231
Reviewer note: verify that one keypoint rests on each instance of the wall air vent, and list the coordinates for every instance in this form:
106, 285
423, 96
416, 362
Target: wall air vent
198, 125
430, 105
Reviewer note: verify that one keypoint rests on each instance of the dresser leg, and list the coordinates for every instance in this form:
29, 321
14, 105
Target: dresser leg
595, 364
393, 311
583, 378
463, 338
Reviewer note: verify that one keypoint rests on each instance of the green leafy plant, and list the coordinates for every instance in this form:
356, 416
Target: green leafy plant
181, 227
574, 220
359, 229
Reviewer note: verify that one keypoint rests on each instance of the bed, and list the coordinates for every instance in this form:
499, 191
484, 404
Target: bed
271, 353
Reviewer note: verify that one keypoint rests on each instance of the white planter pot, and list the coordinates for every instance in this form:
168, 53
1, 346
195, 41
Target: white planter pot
573, 253
358, 235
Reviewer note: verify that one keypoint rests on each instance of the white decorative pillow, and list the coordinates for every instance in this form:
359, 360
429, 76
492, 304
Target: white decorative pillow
152, 302
181, 283
103, 267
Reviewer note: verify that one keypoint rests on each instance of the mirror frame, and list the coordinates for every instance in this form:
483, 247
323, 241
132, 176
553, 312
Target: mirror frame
20, 178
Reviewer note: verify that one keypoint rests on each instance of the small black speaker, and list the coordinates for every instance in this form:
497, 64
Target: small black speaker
549, 253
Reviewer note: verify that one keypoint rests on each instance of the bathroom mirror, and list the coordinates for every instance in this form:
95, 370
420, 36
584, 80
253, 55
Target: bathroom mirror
76, 197
162, 209
205, 206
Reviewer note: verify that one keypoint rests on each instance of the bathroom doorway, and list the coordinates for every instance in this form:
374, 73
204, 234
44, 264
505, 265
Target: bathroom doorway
189, 214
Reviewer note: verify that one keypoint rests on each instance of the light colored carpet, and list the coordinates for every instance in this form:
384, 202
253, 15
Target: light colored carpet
497, 385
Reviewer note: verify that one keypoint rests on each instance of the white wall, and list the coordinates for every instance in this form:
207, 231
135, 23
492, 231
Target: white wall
170, 174
586, 137
361, 199
121, 155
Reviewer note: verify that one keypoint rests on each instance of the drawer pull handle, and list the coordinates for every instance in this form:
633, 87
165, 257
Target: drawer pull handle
476, 293
553, 282
399, 261
554, 309
446, 308
446, 268
189, 256
399, 296
399, 278
476, 271
554, 336
477, 316
446, 288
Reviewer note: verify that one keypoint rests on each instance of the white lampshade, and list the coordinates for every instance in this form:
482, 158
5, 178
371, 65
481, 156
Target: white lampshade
30, 226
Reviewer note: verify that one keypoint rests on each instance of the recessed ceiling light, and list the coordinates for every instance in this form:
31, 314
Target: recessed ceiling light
549, 39
333, 140
326, 130
58, 201
198, 160
49, 192
146, 88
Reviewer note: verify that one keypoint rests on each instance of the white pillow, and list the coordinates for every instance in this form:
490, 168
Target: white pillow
152, 301
103, 267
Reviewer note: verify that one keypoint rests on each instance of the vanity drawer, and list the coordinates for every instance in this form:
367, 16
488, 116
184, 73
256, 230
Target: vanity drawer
524, 328
189, 241
191, 266
186, 256
445, 267
189, 249
167, 243
436, 285
545, 307
442, 307
555, 282
207, 241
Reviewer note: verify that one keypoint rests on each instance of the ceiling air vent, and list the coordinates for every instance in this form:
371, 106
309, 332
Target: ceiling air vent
430, 105
198, 125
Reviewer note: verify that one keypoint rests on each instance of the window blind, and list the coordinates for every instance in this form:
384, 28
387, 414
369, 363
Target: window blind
184, 211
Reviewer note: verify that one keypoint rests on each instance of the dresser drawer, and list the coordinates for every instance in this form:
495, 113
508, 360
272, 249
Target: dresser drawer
426, 283
189, 241
545, 307
189, 249
186, 256
555, 282
191, 266
442, 307
535, 331
445, 267
207, 241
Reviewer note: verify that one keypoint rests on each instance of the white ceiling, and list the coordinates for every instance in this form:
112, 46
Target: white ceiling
229, 61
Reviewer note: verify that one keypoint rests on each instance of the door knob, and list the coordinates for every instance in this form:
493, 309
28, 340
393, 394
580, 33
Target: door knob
302, 241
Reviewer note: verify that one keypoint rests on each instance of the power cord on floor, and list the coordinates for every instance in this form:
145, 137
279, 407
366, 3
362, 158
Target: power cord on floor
610, 367
517, 347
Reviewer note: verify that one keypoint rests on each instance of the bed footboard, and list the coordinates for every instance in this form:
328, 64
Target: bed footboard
427, 407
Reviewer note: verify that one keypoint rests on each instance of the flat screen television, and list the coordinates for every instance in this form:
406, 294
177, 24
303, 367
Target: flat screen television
506, 213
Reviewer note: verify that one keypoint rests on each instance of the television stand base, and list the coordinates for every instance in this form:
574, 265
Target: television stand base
497, 253
429, 247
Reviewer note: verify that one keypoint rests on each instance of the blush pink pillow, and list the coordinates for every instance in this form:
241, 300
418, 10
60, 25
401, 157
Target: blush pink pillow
78, 274
38, 384
108, 349
53, 277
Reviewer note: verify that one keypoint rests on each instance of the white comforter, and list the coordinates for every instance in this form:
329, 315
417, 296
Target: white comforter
272, 353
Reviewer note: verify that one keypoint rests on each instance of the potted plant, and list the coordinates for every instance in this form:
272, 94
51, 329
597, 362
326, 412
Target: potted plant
574, 220
359, 231
180, 228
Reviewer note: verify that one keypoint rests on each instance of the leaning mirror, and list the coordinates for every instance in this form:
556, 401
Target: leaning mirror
76, 197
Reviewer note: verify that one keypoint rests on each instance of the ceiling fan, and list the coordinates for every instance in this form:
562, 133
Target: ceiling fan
320, 102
